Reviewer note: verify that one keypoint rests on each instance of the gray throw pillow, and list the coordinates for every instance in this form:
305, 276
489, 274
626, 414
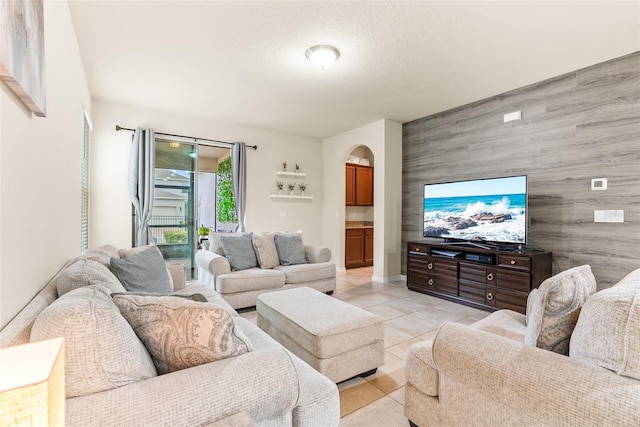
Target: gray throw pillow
290, 249
238, 249
143, 272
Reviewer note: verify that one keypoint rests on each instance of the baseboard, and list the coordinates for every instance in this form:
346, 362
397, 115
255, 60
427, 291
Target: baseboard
340, 269
386, 279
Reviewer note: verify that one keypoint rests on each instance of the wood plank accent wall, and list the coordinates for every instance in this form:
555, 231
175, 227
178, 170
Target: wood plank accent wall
575, 127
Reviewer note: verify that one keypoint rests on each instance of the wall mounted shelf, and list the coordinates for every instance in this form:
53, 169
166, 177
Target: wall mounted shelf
286, 196
281, 174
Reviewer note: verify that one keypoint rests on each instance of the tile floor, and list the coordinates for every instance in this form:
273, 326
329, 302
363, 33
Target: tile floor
377, 400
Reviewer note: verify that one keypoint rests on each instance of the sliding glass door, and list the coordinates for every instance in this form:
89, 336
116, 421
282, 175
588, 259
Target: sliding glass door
185, 198
172, 222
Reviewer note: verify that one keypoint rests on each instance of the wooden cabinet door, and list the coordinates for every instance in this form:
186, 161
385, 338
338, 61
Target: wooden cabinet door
368, 246
350, 189
364, 186
354, 248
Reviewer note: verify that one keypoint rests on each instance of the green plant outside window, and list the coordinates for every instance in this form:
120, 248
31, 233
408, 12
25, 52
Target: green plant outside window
226, 207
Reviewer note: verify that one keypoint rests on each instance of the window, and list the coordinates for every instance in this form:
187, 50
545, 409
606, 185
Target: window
84, 216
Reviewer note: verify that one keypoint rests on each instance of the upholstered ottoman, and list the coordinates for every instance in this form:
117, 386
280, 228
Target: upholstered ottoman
337, 339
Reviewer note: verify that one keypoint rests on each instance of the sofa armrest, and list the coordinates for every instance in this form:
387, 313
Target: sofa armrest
316, 254
501, 377
177, 276
212, 262
197, 396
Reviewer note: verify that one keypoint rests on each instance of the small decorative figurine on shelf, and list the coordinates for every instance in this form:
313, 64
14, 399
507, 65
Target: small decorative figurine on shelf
284, 166
291, 188
279, 184
297, 168
302, 187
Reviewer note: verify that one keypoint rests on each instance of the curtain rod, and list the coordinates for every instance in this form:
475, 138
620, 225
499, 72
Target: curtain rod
195, 139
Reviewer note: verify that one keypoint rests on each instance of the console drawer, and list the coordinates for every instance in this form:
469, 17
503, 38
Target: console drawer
512, 300
472, 273
473, 292
516, 280
418, 248
514, 261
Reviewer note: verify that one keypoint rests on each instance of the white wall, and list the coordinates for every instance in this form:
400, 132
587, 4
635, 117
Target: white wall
110, 204
40, 177
384, 139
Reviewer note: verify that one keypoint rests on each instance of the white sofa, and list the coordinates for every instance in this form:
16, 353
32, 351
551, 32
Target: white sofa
241, 288
485, 374
268, 386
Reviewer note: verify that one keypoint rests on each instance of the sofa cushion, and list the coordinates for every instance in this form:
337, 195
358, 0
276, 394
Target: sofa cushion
304, 273
249, 280
238, 249
506, 323
608, 330
85, 272
144, 271
209, 293
290, 249
555, 307
101, 254
180, 333
265, 249
101, 350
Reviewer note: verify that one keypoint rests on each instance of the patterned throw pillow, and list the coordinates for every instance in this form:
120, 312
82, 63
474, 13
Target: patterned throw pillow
101, 350
608, 330
553, 310
265, 248
179, 333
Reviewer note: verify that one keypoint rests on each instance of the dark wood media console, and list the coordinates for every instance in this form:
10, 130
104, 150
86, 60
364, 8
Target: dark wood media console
489, 279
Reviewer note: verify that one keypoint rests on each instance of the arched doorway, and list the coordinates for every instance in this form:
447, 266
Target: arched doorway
359, 202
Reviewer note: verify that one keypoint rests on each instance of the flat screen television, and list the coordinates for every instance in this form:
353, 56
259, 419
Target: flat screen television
484, 210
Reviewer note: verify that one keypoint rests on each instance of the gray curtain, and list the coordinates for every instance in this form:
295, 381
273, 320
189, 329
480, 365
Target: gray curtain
239, 178
141, 181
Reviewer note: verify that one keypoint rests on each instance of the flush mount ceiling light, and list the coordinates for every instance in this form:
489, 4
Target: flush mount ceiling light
322, 55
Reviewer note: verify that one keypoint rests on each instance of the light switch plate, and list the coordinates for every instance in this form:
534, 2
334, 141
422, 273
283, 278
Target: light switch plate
608, 216
509, 117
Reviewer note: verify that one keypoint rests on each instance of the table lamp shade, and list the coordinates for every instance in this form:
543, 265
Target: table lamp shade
32, 384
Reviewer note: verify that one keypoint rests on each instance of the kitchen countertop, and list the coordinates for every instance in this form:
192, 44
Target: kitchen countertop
358, 224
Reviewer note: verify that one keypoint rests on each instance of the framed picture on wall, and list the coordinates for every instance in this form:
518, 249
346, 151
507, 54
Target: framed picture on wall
22, 51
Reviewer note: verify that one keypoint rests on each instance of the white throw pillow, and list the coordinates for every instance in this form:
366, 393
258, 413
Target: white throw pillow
265, 249
608, 331
101, 350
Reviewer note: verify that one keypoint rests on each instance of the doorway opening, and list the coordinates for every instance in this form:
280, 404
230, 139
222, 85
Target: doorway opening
359, 202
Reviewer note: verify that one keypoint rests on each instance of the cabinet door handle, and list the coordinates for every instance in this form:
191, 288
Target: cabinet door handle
430, 266
513, 261
430, 282
489, 276
489, 296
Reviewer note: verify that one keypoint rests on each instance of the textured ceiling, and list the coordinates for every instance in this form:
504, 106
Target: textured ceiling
244, 62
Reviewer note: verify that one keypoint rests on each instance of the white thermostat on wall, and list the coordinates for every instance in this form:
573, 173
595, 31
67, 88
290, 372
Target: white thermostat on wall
599, 184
